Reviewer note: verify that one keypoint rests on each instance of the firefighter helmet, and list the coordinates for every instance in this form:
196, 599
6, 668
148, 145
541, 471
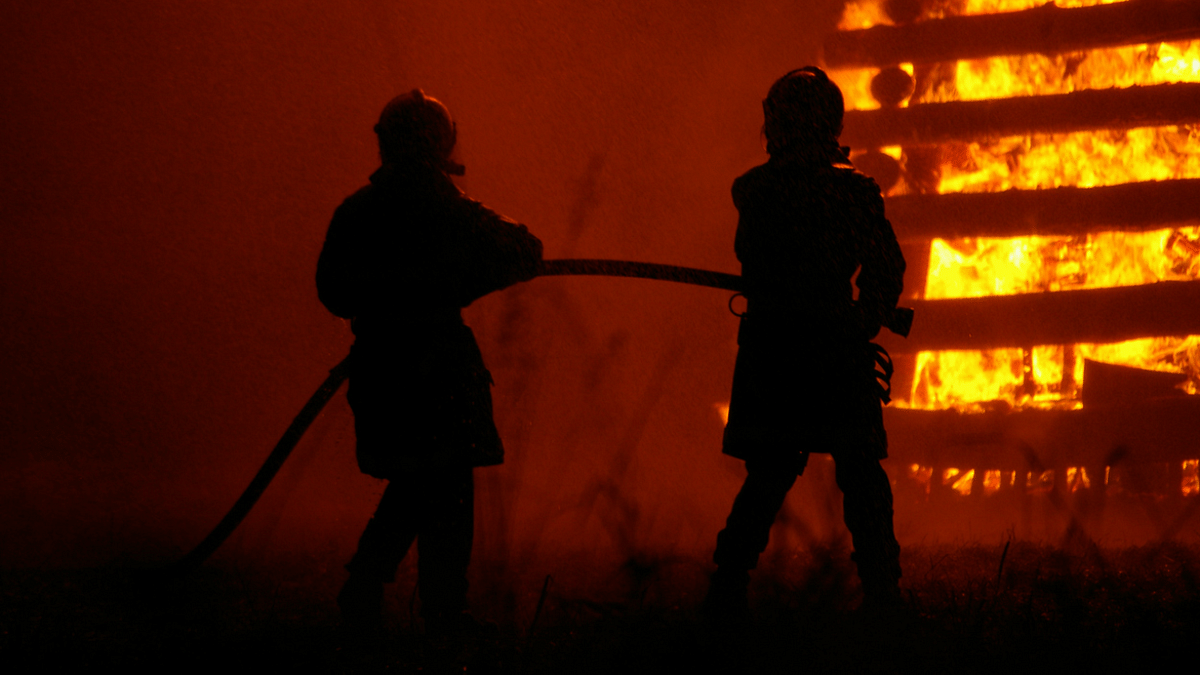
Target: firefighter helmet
802, 106
416, 127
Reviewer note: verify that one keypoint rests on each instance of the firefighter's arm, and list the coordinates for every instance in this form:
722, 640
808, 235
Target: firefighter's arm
502, 252
881, 280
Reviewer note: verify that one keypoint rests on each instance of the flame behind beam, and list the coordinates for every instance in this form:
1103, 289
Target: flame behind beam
1046, 29
1098, 315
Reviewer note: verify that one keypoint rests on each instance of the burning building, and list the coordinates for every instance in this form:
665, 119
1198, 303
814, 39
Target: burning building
1041, 166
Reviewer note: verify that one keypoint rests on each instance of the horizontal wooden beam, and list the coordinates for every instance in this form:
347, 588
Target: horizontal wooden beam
1150, 431
930, 123
1060, 212
1099, 315
1047, 29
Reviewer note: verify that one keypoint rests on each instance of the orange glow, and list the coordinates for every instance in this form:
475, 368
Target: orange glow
722, 409
993, 6
1040, 481
991, 482
923, 475
1191, 478
1077, 478
959, 481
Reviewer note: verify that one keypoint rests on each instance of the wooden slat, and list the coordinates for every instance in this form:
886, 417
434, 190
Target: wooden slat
1165, 430
1059, 211
931, 123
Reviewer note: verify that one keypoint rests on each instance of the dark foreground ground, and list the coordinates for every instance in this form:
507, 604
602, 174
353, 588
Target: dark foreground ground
1043, 609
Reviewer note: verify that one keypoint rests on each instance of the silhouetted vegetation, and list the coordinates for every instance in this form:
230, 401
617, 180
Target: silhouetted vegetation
972, 608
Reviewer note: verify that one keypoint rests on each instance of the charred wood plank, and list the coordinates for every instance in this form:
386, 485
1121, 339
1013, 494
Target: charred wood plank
931, 123
1065, 211
1047, 29
1146, 432
1098, 315
1113, 384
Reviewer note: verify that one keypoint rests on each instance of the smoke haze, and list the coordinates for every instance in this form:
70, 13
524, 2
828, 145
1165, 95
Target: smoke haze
170, 173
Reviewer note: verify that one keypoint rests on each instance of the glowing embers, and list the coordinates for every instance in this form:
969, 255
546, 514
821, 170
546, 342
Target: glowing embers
1191, 478
992, 480
959, 481
922, 475
1077, 478
962, 482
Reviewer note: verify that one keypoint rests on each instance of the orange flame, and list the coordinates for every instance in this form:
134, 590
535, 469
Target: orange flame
978, 380
973, 380
1191, 478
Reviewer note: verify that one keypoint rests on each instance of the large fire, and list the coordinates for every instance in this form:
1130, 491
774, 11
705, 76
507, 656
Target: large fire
1034, 378
980, 266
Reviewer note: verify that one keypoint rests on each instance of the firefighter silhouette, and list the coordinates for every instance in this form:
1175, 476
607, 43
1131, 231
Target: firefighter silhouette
805, 378
402, 257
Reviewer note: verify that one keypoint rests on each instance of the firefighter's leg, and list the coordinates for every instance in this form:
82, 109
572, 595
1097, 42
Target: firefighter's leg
389, 533
444, 544
867, 502
383, 544
746, 533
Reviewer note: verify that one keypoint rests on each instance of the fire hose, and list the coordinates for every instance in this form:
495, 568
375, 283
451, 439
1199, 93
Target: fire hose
900, 323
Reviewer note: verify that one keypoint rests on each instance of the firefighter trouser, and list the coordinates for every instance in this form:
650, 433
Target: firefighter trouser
867, 505
437, 510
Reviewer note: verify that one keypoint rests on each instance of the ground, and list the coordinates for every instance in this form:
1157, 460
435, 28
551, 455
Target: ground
1012, 607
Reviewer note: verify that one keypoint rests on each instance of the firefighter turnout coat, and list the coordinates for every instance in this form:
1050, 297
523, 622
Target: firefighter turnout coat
402, 257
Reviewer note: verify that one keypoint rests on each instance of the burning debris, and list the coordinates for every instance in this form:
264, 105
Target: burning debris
1046, 158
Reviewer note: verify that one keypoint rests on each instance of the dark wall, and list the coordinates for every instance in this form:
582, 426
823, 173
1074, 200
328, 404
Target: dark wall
169, 172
